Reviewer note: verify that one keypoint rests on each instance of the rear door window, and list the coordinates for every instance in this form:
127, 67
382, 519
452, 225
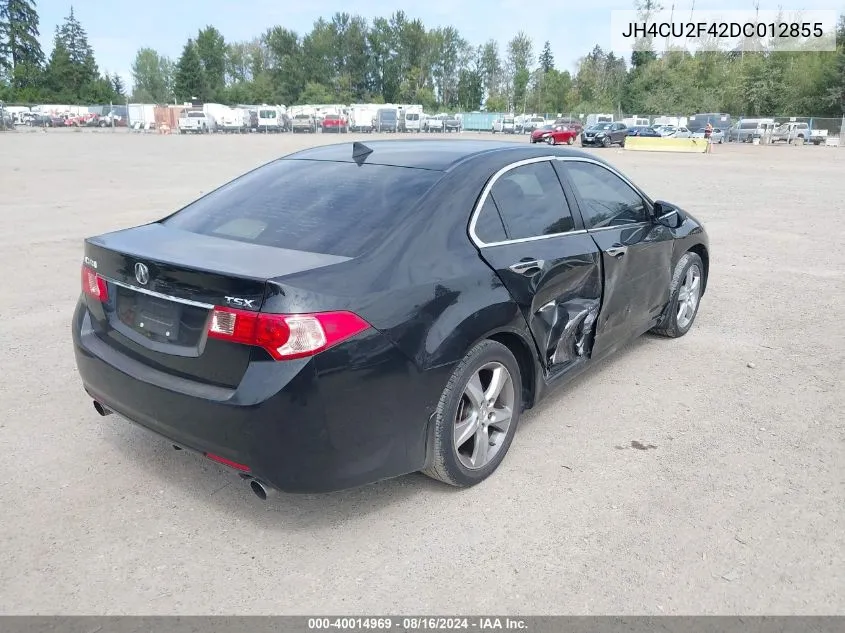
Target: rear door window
531, 201
317, 206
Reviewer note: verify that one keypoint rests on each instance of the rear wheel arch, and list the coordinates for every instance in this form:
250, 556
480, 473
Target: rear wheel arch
525, 358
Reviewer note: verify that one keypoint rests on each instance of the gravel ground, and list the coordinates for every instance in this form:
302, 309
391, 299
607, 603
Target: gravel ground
738, 509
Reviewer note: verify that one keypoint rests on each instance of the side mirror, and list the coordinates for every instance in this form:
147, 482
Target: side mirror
667, 214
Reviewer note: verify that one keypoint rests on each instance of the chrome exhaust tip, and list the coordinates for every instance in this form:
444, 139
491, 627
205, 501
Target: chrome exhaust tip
99, 408
261, 491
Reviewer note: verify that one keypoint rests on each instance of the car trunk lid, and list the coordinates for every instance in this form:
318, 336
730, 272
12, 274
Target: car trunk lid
162, 285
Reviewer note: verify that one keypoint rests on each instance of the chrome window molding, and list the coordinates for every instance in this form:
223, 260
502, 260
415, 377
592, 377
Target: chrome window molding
539, 159
152, 293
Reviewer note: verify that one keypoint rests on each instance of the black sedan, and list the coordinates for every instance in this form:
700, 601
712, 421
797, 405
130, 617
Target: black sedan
643, 130
316, 337
605, 134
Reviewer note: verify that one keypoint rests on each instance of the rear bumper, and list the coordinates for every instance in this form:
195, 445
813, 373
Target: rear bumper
353, 415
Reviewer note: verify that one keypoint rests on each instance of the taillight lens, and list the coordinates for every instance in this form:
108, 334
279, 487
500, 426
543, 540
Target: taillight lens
285, 336
93, 285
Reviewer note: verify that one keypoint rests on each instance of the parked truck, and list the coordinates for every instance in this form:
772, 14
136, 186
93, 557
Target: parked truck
798, 131
196, 122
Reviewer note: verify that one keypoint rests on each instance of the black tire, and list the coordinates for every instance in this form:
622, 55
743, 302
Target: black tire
445, 465
571, 141
606, 142
668, 326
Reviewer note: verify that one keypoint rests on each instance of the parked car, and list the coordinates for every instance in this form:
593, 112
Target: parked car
605, 134
432, 124
746, 130
529, 124
57, 120
195, 122
412, 121
304, 123
374, 335
451, 123
716, 136
335, 123
643, 130
560, 134
271, 119
798, 131
40, 120
680, 132
505, 125
570, 123
538, 135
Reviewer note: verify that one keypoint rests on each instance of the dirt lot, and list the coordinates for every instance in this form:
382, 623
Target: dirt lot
739, 509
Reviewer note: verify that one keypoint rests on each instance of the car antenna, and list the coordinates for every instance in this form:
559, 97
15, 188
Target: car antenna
360, 152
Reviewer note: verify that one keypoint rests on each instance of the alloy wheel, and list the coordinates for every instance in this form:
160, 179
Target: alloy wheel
688, 296
484, 415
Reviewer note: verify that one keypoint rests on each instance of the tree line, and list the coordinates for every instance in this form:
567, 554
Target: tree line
70, 75
347, 59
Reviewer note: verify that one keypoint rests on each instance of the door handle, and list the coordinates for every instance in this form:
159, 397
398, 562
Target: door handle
617, 251
527, 267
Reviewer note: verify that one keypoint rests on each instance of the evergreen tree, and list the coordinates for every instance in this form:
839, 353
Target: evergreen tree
547, 60
211, 49
21, 57
72, 70
117, 84
188, 81
59, 76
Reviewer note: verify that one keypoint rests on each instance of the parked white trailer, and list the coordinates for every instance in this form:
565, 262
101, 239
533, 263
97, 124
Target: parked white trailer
233, 120
362, 117
674, 121
141, 113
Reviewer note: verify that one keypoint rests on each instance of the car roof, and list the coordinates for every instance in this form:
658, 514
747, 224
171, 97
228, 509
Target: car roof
438, 155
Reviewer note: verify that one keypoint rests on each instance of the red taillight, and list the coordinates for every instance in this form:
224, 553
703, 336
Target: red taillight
227, 462
93, 285
285, 336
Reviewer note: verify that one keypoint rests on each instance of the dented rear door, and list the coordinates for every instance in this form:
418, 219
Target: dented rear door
526, 231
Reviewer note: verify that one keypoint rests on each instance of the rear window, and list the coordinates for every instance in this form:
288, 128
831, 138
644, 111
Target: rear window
267, 114
315, 206
196, 115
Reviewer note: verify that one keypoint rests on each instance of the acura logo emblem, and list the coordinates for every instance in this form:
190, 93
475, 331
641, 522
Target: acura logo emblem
142, 273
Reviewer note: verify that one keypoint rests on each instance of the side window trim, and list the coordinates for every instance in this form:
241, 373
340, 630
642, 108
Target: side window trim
485, 194
579, 202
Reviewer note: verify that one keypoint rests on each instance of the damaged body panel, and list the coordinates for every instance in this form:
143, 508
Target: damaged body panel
559, 299
549, 263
